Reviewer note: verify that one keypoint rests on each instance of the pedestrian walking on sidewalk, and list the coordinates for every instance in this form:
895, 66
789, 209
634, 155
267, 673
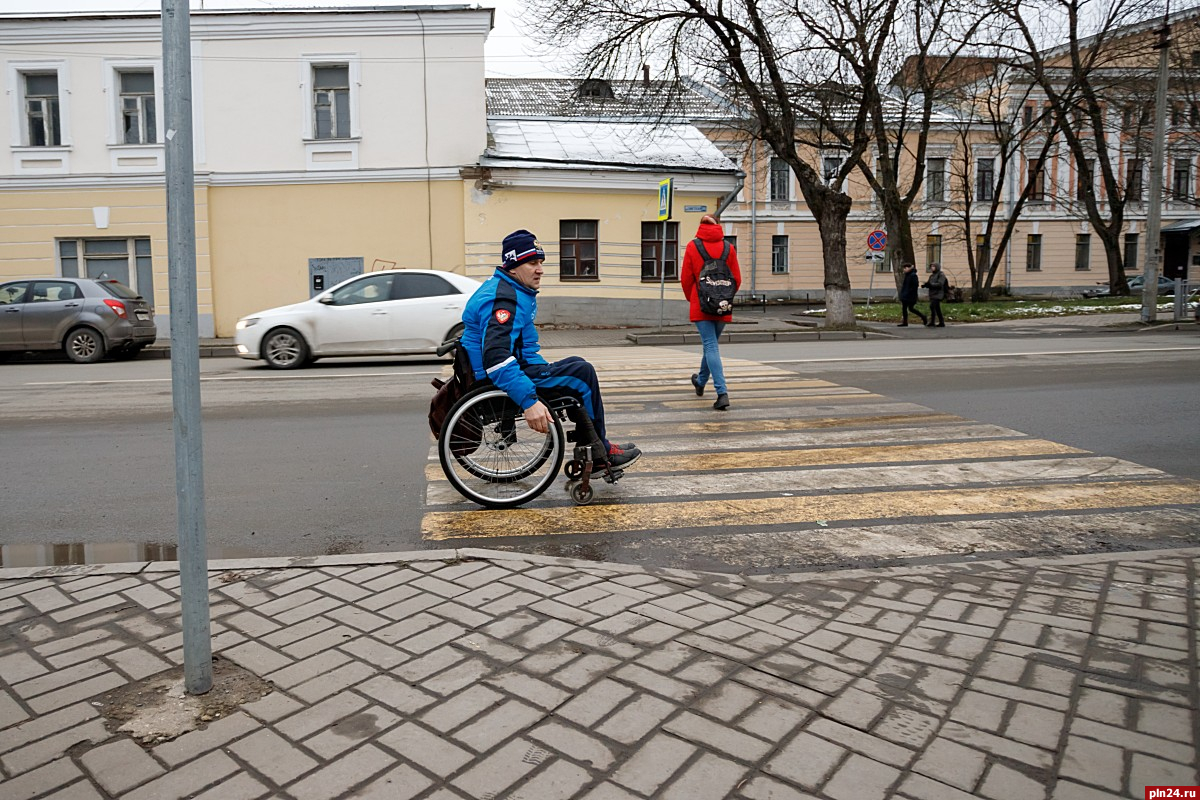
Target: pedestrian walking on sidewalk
908, 295
710, 278
937, 285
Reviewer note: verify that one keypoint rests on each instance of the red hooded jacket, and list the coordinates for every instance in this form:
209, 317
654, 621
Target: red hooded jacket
714, 239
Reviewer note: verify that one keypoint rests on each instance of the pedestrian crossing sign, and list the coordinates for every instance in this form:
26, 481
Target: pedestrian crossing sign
666, 190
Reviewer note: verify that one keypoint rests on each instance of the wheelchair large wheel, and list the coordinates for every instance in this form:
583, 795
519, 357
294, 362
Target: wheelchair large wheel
491, 456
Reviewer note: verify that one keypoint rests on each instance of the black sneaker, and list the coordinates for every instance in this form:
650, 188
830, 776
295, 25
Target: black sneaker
722, 402
621, 457
699, 387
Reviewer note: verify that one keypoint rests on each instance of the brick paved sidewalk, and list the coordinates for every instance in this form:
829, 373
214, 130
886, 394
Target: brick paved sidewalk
478, 674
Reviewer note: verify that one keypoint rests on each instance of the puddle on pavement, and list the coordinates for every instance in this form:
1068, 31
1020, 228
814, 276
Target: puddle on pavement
60, 555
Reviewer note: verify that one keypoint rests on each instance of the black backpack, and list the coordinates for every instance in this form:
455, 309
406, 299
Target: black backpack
715, 287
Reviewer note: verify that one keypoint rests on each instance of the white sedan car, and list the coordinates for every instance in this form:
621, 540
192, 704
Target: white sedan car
393, 312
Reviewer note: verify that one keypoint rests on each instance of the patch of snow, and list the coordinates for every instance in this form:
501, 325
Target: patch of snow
605, 143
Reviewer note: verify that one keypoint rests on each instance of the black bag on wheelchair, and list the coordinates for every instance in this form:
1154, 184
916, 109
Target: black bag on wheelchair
467, 438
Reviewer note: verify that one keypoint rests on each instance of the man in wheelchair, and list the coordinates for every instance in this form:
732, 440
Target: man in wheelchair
502, 343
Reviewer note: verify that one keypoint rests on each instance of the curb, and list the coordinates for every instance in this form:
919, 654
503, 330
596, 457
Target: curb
214, 350
755, 336
482, 554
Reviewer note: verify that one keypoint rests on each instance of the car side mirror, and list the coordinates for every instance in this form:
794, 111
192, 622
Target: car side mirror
326, 299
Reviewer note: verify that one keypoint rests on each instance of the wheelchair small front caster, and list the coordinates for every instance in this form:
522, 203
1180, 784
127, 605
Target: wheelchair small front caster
581, 494
573, 470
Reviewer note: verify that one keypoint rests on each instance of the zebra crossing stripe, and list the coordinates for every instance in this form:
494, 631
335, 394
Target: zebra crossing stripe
734, 425
758, 512
823, 456
728, 461
760, 401
760, 483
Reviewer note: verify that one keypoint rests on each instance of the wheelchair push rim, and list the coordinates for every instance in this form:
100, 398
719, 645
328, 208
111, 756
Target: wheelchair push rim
492, 457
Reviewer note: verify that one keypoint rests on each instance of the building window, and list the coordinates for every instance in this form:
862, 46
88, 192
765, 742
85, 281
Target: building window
1033, 253
1181, 179
732, 242
1028, 116
1083, 252
125, 260
985, 179
935, 179
830, 167
42, 109
933, 250
1037, 179
137, 107
653, 261
1083, 179
1129, 264
596, 89
331, 101
1133, 179
983, 250
781, 180
779, 255
577, 249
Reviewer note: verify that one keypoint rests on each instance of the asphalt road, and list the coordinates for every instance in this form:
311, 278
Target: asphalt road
332, 459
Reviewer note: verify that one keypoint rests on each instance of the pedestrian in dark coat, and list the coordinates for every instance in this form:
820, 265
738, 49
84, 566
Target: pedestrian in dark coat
937, 285
909, 286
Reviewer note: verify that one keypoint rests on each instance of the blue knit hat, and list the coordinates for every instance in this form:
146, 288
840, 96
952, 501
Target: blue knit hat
519, 247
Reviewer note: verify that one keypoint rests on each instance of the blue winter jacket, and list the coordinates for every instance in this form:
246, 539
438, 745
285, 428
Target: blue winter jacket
500, 338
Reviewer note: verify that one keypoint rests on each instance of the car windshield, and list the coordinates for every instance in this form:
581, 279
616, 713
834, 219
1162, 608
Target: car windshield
118, 289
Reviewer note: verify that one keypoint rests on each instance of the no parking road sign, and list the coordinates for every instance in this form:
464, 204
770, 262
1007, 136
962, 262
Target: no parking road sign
877, 240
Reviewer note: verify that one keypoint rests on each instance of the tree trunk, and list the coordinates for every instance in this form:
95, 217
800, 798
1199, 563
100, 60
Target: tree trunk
1110, 238
899, 233
831, 216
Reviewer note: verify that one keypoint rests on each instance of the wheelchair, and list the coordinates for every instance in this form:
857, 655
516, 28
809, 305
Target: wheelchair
492, 457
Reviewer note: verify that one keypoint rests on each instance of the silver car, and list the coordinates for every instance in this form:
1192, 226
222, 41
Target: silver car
86, 319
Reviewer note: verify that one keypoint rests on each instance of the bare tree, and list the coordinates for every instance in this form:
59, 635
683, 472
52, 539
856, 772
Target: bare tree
920, 48
992, 132
1095, 84
763, 52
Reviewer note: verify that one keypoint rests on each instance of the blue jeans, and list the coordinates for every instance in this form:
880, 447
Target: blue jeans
710, 364
576, 377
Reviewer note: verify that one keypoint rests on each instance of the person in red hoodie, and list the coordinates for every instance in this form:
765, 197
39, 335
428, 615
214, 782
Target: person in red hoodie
709, 325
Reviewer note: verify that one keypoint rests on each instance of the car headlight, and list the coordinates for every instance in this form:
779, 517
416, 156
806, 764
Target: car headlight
248, 322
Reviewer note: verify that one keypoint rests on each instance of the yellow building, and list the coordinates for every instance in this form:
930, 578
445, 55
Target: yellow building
328, 143
590, 191
324, 145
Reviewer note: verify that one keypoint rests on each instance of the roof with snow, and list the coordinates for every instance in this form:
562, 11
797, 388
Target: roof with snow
590, 145
602, 98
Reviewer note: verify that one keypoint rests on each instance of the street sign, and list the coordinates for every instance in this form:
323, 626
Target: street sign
666, 190
877, 240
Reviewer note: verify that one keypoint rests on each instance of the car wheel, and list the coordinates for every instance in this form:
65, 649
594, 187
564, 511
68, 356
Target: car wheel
284, 348
84, 346
126, 353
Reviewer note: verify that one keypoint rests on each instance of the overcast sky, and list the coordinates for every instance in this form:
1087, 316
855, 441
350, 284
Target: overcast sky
509, 53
